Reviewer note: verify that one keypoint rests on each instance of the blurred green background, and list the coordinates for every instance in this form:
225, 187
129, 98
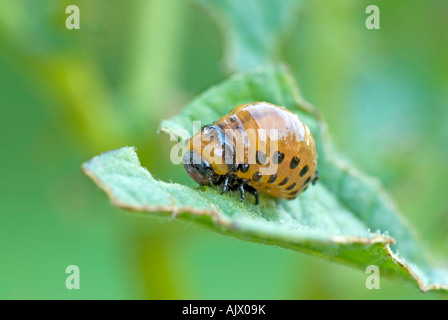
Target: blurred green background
68, 95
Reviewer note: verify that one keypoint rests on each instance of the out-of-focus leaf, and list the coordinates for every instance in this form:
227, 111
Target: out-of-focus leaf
346, 217
34, 33
253, 29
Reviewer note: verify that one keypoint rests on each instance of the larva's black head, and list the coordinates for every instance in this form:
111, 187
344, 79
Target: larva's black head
199, 169
211, 156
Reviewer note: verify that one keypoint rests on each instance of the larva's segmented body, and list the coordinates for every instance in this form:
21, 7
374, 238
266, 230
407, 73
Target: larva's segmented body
257, 147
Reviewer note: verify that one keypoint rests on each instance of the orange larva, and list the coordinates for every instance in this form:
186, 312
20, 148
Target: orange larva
258, 147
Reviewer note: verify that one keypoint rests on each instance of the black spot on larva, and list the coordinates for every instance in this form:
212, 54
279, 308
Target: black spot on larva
278, 157
316, 177
293, 193
307, 181
304, 171
291, 186
260, 157
220, 126
272, 178
256, 177
294, 163
244, 168
232, 118
284, 181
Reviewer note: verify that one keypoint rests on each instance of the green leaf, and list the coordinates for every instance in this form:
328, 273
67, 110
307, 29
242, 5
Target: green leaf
253, 29
345, 217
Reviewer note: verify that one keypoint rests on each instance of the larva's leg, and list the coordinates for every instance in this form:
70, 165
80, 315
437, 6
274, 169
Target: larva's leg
254, 192
257, 198
231, 184
224, 185
241, 188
